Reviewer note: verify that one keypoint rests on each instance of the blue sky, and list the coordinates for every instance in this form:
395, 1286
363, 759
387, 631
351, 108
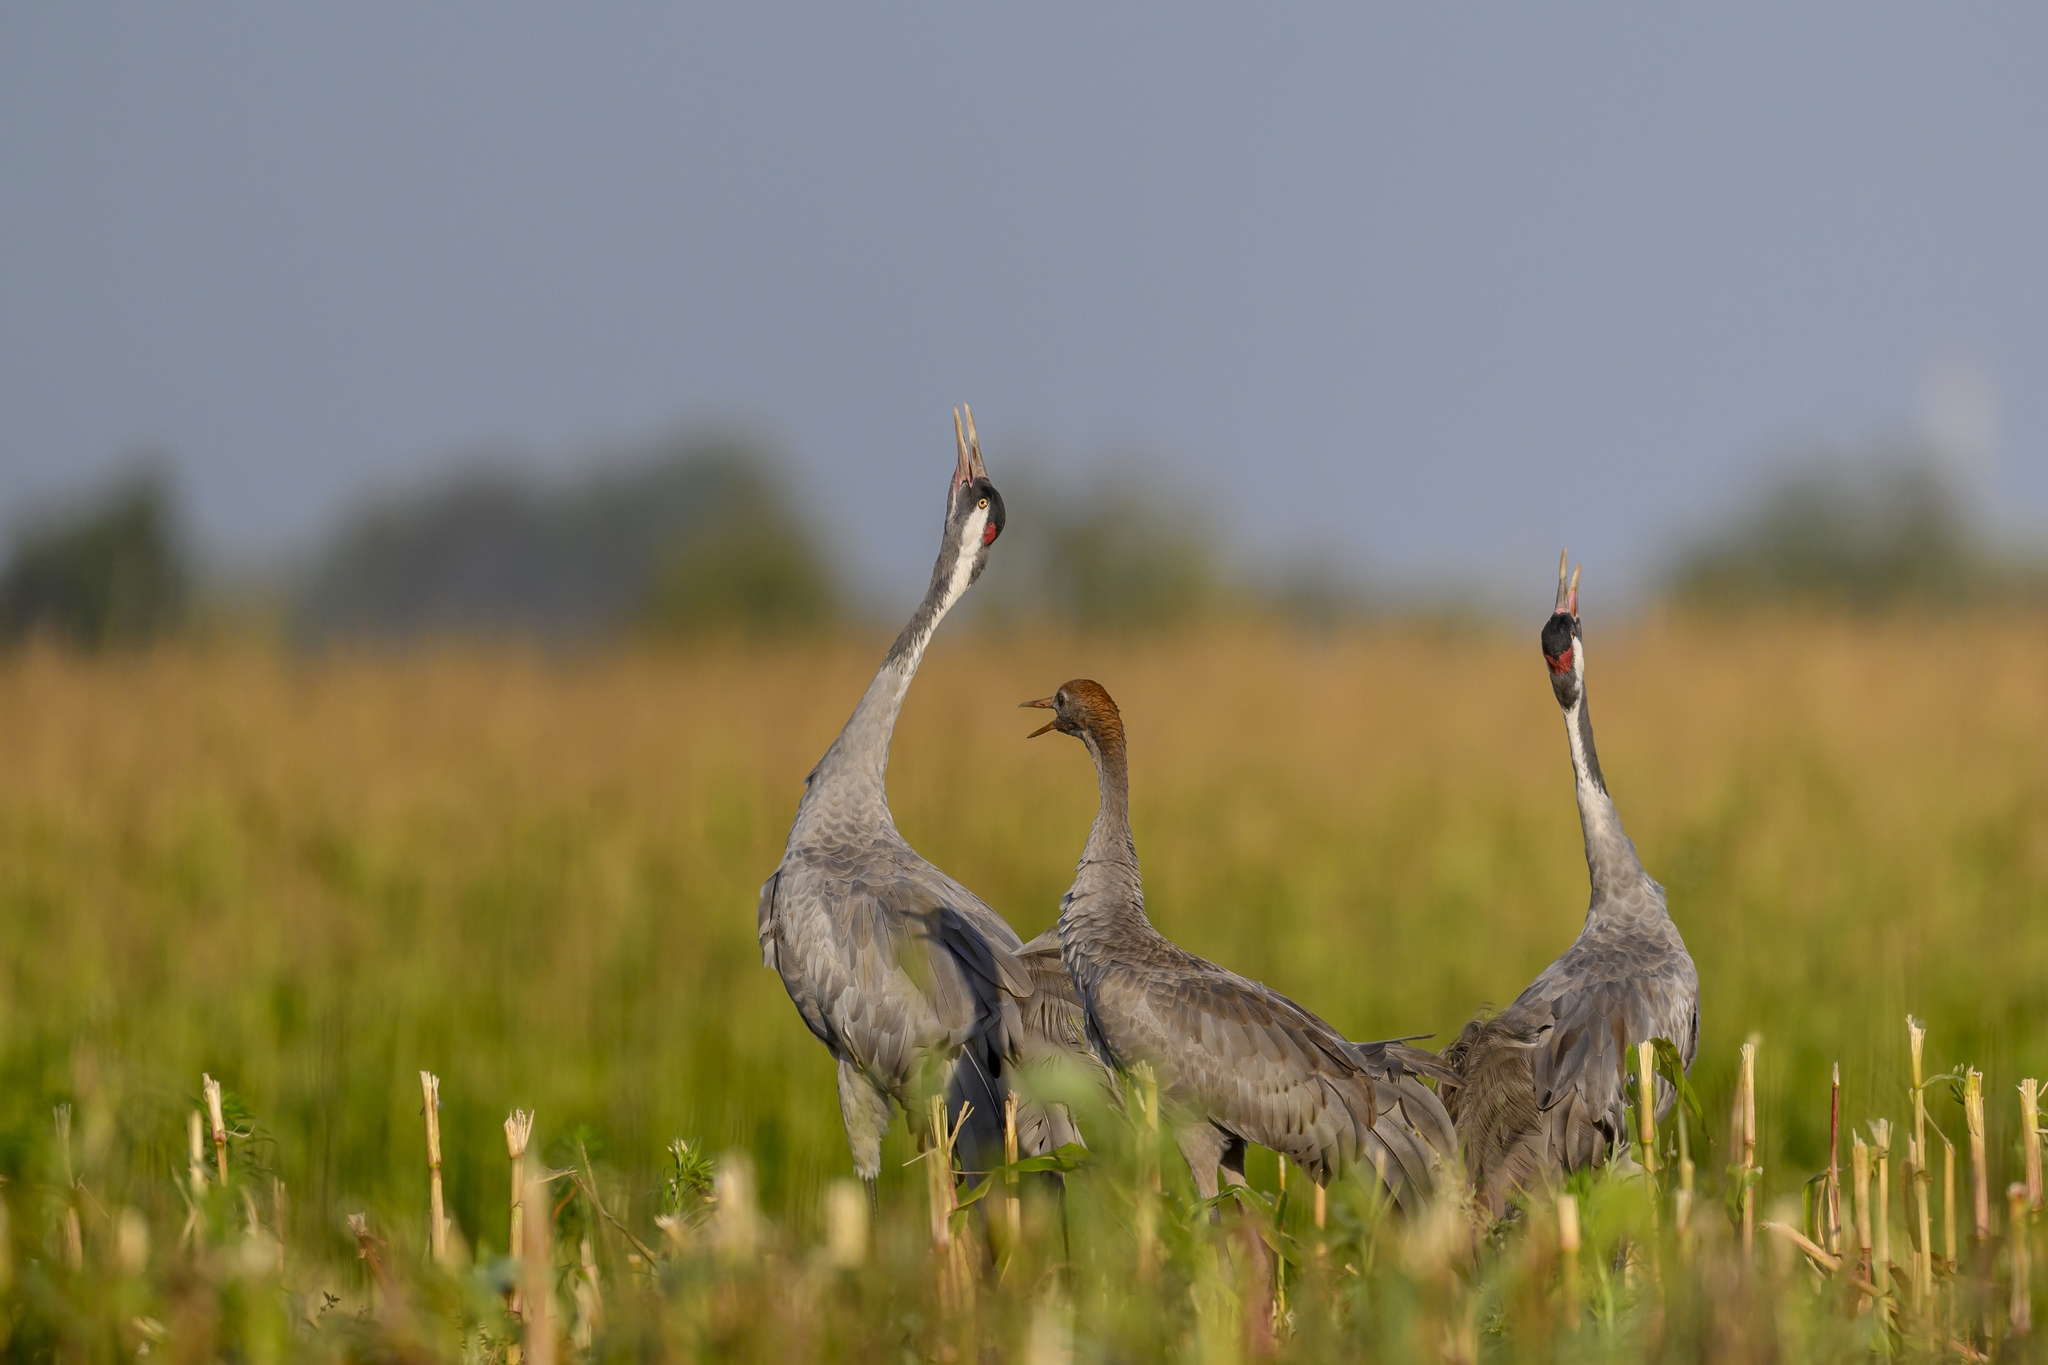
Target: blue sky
1426, 290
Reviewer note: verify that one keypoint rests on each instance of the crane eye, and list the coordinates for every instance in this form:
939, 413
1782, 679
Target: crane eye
984, 503
1060, 700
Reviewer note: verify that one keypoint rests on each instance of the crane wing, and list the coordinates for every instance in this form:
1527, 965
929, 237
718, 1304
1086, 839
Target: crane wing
1054, 1016
1051, 1031
976, 933
1258, 1064
1544, 1084
764, 918
888, 960
1595, 1016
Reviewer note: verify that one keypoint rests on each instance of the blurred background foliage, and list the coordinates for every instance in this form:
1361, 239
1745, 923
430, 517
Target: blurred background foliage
691, 535
1866, 532
111, 570
1119, 550
702, 534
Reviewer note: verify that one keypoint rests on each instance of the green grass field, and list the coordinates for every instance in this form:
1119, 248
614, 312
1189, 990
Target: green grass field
536, 876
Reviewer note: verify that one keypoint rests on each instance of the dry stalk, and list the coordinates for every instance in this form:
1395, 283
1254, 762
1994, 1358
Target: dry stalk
195, 1133
1923, 1257
2030, 1139
1819, 1255
589, 1299
939, 1176
1013, 1207
1916, 1041
437, 1222
518, 1132
954, 1283
1948, 1202
1749, 1147
1833, 1199
1568, 1255
535, 1260
1980, 1174
1646, 1104
1814, 1251
1859, 1168
2020, 1310
220, 1128
1881, 1246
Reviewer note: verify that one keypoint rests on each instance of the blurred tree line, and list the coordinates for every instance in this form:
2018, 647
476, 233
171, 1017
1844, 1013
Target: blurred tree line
1864, 532
1119, 551
693, 536
111, 570
700, 535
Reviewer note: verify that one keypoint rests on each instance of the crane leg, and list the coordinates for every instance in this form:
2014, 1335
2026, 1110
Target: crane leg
1201, 1146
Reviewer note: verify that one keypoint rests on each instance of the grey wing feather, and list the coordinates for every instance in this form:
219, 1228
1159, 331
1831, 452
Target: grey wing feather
1595, 1020
1265, 1069
764, 918
1055, 1022
1394, 1057
1543, 1084
1053, 1033
972, 928
889, 967
1414, 1128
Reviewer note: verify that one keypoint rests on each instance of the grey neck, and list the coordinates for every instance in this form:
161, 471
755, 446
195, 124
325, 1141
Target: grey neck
1108, 893
854, 771
1611, 861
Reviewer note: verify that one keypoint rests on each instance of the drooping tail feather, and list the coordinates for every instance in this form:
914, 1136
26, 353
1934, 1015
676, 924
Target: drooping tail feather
1041, 1034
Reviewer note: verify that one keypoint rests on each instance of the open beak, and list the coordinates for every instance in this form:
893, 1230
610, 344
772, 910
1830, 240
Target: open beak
969, 465
1567, 593
1044, 704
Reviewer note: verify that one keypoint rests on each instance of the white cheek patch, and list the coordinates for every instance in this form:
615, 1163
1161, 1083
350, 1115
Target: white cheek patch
963, 563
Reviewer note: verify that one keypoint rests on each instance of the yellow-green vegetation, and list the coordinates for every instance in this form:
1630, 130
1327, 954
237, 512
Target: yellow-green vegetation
314, 877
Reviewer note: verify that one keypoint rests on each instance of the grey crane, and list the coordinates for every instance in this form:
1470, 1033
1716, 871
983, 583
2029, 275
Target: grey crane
1543, 1082
905, 975
1236, 1062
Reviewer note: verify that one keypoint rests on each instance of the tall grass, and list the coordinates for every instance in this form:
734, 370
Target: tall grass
535, 876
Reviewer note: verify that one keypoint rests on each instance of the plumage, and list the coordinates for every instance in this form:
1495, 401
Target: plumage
1236, 1061
907, 977
1543, 1083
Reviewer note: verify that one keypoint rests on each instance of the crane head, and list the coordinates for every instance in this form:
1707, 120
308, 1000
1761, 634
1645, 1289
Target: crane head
1563, 650
974, 516
974, 510
1083, 708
